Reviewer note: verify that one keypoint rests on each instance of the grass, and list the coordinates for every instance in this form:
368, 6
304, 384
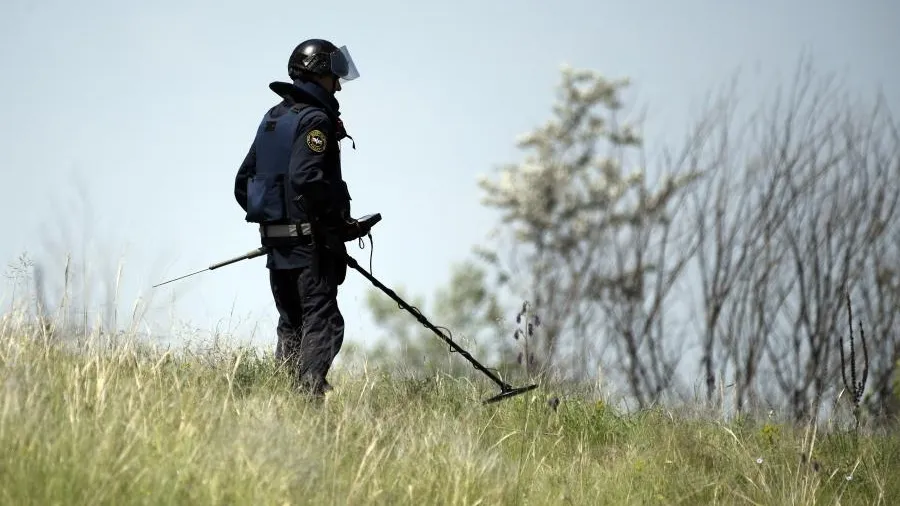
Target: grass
117, 423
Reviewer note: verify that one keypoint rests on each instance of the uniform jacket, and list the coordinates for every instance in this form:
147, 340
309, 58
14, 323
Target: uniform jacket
313, 169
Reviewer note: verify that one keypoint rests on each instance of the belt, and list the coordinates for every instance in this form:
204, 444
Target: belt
278, 231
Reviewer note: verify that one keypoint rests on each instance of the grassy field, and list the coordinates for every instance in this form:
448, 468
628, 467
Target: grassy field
121, 424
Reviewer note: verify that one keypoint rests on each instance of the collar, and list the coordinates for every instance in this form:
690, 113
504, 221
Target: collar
308, 92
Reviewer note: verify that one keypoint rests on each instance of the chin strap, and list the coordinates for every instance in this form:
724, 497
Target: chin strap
342, 133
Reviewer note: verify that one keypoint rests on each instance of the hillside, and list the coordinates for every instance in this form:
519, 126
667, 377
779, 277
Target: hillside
122, 424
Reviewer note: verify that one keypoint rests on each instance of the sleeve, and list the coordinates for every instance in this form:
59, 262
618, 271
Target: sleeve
310, 174
248, 167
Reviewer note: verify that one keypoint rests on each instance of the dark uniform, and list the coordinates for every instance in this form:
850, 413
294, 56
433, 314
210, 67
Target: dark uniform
291, 184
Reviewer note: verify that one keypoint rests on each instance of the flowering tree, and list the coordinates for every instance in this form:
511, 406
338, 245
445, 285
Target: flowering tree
589, 238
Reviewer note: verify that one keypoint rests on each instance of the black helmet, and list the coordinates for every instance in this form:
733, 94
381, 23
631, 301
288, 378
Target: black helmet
321, 57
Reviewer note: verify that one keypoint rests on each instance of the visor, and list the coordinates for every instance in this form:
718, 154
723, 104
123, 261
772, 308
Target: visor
342, 65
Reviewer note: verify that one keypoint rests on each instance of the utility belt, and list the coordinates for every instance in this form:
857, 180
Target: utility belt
288, 234
303, 234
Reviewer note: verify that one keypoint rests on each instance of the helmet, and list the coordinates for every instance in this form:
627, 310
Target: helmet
321, 57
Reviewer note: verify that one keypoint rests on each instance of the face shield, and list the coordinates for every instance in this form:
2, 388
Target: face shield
342, 65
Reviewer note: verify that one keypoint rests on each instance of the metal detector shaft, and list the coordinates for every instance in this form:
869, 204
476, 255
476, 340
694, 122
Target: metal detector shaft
246, 256
360, 226
506, 389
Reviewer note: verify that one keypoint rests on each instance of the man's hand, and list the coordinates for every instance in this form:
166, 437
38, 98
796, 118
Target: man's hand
354, 229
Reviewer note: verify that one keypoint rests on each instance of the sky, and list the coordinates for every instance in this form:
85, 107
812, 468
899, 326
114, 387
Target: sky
124, 123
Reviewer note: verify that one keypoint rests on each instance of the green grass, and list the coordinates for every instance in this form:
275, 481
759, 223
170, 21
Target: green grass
122, 424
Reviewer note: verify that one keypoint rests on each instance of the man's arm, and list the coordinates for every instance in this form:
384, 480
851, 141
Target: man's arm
310, 174
248, 166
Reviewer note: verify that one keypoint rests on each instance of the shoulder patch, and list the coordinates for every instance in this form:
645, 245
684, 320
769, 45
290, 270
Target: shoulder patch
316, 140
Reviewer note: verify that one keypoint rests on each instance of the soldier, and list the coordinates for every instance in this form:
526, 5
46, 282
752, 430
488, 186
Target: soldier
290, 183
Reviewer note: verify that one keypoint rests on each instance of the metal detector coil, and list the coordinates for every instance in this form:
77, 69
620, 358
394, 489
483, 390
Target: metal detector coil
506, 390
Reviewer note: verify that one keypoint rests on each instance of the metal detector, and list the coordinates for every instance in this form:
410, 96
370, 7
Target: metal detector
366, 223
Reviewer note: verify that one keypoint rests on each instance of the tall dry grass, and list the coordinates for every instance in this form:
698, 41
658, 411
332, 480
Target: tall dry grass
103, 420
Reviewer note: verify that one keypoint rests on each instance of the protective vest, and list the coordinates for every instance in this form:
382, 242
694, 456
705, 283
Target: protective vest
269, 193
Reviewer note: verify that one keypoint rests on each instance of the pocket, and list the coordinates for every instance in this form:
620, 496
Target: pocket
345, 191
265, 198
343, 198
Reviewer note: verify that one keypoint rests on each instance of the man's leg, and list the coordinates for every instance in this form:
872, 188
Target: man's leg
323, 324
290, 316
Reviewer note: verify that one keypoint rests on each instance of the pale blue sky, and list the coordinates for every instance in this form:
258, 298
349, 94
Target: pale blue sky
152, 106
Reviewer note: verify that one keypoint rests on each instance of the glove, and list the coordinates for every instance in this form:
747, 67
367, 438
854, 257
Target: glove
353, 229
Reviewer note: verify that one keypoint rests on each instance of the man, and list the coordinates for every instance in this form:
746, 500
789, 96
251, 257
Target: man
290, 183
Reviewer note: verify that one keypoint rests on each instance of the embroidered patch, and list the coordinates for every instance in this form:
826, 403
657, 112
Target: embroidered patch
316, 141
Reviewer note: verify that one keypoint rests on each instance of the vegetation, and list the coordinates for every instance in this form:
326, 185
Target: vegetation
109, 421
722, 267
